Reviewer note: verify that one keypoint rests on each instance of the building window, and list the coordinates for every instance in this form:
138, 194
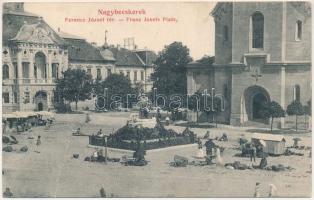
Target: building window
128, 74
98, 73
298, 30
142, 75
135, 75
296, 93
109, 72
26, 97
257, 30
89, 71
121, 72
6, 97
225, 33
5, 72
25, 69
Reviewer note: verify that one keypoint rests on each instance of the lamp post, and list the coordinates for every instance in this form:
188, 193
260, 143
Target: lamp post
106, 151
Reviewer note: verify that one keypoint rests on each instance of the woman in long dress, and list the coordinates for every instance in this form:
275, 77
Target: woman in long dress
218, 157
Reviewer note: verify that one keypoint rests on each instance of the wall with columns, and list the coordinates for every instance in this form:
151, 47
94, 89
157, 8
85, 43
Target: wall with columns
15, 56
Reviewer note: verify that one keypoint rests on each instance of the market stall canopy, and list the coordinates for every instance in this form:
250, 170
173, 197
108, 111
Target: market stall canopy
272, 144
9, 116
268, 137
45, 113
18, 114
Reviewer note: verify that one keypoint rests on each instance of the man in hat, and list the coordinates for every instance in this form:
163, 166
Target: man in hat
7, 193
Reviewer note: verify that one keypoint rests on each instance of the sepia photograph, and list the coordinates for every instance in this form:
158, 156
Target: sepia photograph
208, 99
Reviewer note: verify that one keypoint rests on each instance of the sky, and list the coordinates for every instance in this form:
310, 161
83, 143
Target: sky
189, 23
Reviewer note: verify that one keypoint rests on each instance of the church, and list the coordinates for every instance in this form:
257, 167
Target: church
262, 54
34, 57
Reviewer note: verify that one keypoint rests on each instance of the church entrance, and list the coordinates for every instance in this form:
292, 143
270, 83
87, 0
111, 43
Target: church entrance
41, 100
259, 101
253, 100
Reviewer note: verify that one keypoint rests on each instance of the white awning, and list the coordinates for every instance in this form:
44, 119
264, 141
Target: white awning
268, 137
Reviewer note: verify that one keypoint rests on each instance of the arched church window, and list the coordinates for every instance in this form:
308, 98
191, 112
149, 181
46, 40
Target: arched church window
298, 30
257, 30
5, 72
296, 93
225, 33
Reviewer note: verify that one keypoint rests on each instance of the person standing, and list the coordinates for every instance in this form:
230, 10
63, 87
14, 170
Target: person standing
257, 190
38, 142
253, 153
87, 119
272, 190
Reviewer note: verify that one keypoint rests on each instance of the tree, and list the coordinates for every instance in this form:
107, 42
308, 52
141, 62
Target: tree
307, 111
118, 85
75, 85
170, 73
272, 110
295, 108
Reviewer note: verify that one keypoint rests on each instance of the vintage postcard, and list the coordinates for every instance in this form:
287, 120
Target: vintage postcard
156, 99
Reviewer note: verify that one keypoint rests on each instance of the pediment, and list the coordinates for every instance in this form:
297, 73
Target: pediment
41, 35
35, 33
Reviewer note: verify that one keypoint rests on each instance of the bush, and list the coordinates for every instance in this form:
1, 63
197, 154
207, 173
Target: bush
5, 139
62, 108
7, 149
24, 149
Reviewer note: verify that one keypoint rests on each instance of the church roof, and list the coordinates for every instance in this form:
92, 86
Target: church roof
206, 61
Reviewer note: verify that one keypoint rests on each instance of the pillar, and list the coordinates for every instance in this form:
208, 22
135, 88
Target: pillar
19, 65
31, 68
283, 93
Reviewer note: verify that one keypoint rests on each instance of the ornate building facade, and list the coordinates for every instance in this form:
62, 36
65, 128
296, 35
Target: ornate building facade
34, 57
262, 54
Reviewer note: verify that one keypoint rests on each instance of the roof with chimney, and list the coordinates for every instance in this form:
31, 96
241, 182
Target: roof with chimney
81, 50
22, 26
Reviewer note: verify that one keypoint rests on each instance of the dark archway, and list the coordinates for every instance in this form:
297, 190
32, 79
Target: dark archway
40, 65
40, 106
41, 100
255, 97
259, 100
